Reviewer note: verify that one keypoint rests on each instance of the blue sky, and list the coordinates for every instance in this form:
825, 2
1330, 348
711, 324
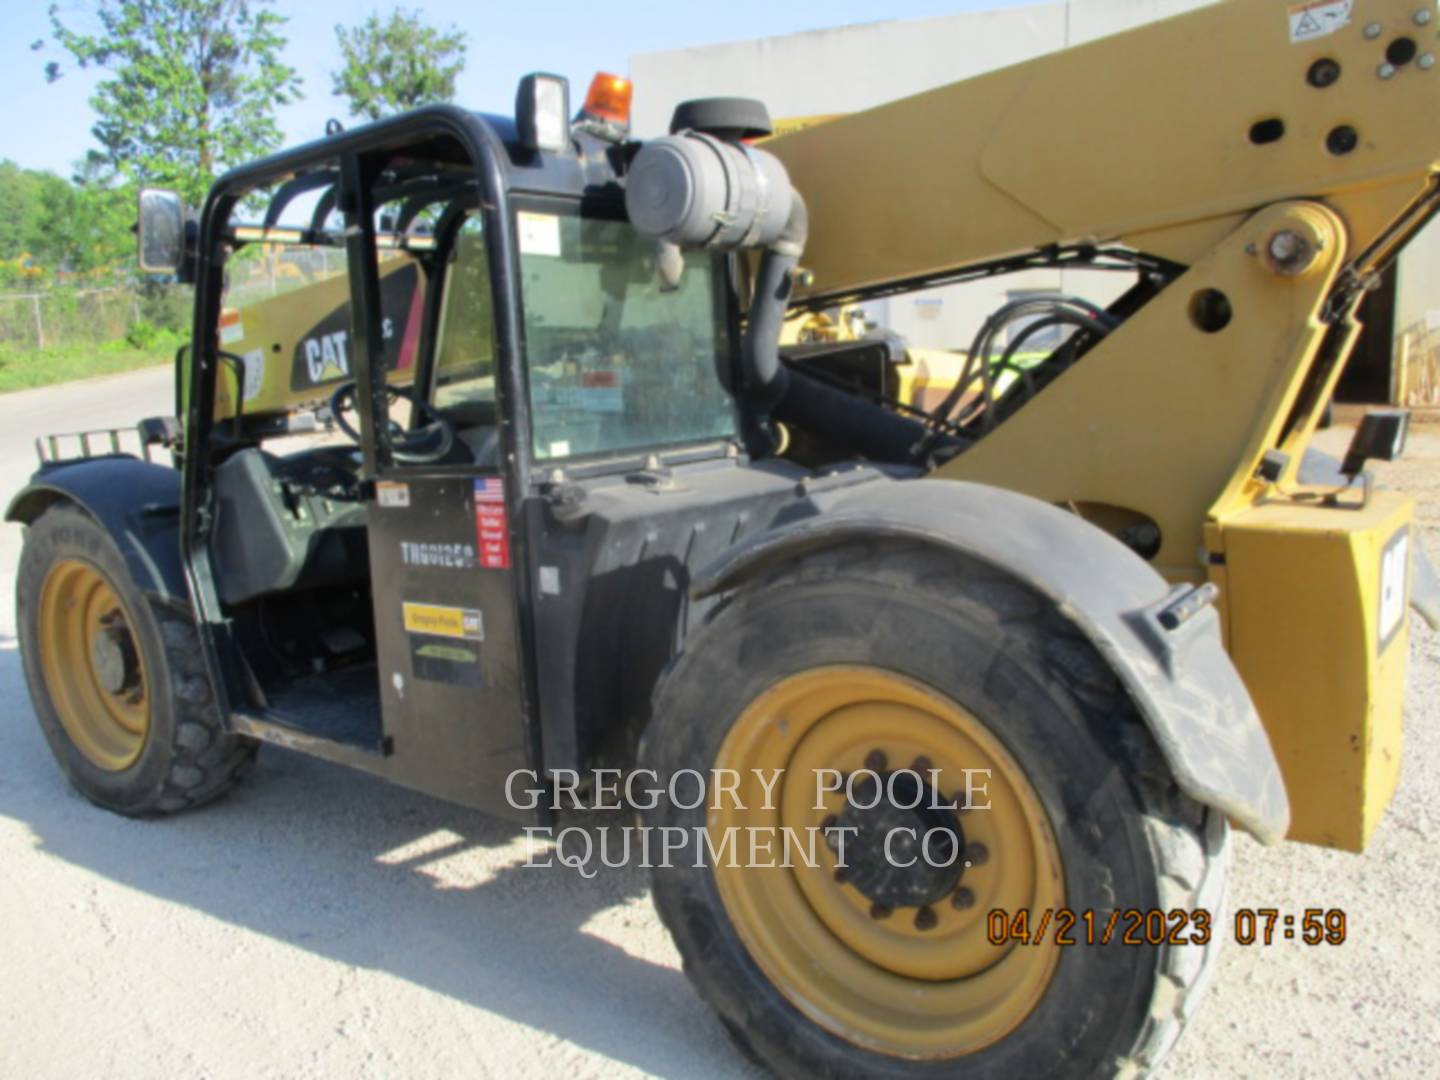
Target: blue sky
48, 126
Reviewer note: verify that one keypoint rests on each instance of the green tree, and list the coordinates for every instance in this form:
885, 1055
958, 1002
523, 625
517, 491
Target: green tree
90, 220
193, 89
19, 209
56, 225
397, 65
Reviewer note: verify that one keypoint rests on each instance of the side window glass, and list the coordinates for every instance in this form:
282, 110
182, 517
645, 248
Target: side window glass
286, 319
286, 324
465, 356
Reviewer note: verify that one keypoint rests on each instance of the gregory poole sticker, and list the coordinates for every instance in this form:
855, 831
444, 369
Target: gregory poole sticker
440, 621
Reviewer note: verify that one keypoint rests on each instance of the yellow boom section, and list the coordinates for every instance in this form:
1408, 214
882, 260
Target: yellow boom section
1147, 138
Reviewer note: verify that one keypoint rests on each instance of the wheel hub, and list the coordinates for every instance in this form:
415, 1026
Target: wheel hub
93, 669
892, 957
905, 850
117, 667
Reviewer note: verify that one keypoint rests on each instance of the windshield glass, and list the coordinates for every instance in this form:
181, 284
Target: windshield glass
614, 363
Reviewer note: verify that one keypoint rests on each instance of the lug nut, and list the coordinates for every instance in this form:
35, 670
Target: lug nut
1372, 30
925, 919
1426, 61
1385, 71
977, 855
1422, 17
962, 899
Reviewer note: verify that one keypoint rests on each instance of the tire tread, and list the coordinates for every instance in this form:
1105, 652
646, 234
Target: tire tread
206, 760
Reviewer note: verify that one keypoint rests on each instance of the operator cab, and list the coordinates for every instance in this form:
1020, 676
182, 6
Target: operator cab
459, 414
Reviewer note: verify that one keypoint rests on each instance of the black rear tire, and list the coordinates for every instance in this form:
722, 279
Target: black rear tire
187, 758
1127, 836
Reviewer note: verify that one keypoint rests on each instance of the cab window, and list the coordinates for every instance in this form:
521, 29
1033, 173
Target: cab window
465, 348
613, 362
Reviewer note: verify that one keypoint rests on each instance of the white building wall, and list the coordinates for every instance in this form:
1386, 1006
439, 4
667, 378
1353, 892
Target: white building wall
858, 67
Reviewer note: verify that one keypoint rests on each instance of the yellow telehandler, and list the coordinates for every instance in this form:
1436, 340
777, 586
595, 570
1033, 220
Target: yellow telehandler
937, 710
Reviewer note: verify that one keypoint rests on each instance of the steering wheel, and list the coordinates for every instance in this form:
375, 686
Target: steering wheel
409, 445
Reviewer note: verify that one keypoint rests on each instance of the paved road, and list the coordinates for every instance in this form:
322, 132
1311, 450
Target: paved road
319, 923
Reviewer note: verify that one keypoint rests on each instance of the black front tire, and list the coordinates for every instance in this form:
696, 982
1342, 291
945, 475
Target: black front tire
188, 757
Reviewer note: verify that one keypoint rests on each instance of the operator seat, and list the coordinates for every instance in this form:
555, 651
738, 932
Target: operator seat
483, 444
477, 433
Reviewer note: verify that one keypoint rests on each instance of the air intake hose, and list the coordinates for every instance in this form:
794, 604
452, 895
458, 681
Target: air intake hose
764, 379
791, 396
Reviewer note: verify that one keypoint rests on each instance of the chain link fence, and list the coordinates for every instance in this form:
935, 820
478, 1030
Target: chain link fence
56, 317
275, 270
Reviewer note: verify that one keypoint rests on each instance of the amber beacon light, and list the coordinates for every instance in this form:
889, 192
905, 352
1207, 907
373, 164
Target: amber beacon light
609, 99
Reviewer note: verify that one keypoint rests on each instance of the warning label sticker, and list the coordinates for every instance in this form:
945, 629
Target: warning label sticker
1394, 577
254, 373
232, 330
539, 234
1316, 19
391, 493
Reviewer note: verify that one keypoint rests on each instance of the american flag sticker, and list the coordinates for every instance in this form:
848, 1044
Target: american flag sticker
490, 489
492, 532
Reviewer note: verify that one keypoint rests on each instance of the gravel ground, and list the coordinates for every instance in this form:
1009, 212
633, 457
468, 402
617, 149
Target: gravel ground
321, 924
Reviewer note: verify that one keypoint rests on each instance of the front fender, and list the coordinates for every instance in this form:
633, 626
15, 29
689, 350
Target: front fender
1181, 679
136, 502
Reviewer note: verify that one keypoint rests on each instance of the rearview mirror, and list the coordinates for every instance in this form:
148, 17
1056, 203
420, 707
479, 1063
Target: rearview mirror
161, 231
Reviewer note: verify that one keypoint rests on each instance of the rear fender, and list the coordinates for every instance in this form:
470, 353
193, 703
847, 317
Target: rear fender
136, 502
1181, 679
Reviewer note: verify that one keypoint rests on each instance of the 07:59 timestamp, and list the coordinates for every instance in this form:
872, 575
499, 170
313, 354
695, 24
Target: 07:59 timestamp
1137, 926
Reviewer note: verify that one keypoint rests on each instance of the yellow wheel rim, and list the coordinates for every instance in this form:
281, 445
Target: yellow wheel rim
901, 965
92, 665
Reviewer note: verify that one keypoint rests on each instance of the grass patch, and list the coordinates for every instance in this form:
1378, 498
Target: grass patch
22, 368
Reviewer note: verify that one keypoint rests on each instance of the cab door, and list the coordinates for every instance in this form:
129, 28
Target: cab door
443, 567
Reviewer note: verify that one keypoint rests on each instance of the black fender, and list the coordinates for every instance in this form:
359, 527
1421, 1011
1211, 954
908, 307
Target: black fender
1177, 671
136, 502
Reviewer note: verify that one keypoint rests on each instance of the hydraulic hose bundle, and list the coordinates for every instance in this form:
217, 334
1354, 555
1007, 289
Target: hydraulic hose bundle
1045, 313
